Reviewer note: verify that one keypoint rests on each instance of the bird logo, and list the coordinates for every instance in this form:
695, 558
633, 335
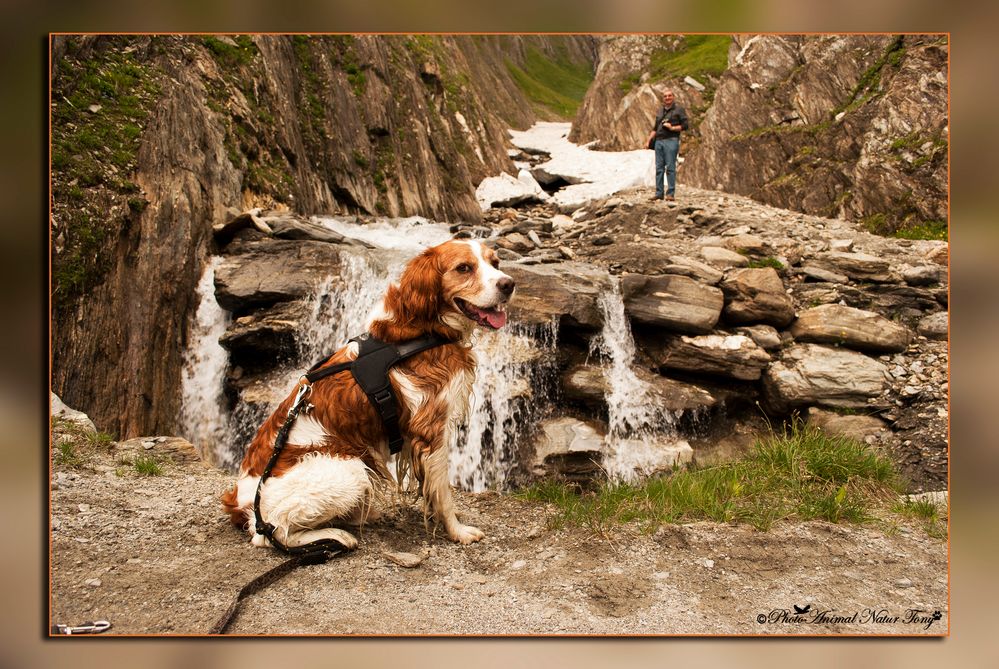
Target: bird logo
801, 610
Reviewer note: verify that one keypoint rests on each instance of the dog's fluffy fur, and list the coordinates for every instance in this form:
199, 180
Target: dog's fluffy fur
336, 453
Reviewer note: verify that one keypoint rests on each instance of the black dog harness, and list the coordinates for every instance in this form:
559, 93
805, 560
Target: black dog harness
371, 372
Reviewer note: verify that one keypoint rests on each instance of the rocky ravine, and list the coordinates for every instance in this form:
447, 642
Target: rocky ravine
734, 306
153, 555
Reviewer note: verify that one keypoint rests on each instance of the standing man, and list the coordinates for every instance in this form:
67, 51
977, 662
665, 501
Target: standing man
670, 121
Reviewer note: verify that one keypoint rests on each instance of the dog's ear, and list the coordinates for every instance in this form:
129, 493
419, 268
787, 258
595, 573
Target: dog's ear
420, 289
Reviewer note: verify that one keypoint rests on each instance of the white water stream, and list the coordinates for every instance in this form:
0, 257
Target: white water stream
638, 428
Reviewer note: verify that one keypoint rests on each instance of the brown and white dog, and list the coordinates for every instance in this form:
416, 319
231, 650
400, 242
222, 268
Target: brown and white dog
336, 453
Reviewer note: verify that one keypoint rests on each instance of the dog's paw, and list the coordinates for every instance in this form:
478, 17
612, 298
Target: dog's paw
348, 540
466, 534
260, 541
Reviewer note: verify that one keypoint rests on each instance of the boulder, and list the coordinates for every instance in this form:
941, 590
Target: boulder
853, 328
694, 269
857, 266
939, 254
733, 356
288, 226
861, 428
568, 449
268, 270
924, 275
60, 411
515, 241
670, 301
819, 274
756, 296
589, 384
565, 292
269, 333
748, 245
765, 336
224, 232
934, 326
810, 374
629, 459
717, 256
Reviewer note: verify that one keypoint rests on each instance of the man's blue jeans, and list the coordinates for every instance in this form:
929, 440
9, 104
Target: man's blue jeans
666, 152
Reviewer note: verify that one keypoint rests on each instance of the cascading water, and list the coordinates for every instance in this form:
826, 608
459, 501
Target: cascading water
203, 418
512, 376
637, 426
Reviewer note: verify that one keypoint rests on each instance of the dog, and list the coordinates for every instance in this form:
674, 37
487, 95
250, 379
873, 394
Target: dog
336, 455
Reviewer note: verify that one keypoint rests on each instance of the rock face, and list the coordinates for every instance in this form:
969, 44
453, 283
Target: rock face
854, 328
396, 125
809, 374
852, 126
734, 356
756, 296
569, 449
621, 104
567, 291
672, 302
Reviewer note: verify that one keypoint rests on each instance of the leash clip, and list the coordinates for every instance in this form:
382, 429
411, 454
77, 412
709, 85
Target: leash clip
86, 628
304, 390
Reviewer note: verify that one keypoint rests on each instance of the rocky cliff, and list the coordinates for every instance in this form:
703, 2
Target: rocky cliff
846, 126
155, 138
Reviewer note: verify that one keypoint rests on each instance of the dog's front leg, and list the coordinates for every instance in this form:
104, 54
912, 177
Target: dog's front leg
431, 468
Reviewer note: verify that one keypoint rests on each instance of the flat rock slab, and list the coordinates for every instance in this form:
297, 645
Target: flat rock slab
716, 256
673, 302
934, 326
810, 374
589, 384
568, 448
733, 356
853, 328
857, 427
857, 266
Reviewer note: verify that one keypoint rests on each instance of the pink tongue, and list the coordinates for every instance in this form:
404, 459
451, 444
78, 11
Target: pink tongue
497, 319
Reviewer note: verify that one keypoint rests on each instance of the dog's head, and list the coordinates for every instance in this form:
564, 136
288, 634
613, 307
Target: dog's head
447, 289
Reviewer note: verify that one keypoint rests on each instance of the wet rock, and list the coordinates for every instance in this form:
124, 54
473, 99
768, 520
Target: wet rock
810, 374
568, 448
589, 384
854, 328
224, 232
269, 332
564, 292
756, 296
288, 226
267, 271
934, 326
734, 356
672, 302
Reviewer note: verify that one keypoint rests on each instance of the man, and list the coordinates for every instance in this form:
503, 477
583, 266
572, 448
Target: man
670, 121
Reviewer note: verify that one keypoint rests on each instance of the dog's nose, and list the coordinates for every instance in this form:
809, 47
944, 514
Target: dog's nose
506, 285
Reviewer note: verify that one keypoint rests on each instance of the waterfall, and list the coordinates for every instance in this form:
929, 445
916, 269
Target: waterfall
637, 426
203, 417
511, 387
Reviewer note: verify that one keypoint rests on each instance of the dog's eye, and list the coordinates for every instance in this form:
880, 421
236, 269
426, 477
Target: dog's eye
495, 263
463, 268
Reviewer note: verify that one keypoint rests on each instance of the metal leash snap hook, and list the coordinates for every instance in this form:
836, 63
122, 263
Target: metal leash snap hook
86, 628
303, 391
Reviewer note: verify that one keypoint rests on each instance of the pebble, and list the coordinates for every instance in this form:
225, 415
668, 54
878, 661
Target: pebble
519, 564
903, 583
407, 560
93, 582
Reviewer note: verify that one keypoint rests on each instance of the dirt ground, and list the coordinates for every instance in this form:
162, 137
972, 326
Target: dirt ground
154, 555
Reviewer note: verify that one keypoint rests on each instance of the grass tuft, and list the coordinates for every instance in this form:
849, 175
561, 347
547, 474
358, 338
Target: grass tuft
147, 465
800, 474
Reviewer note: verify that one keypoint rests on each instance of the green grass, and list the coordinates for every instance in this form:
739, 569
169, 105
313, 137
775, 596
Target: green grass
241, 54
555, 84
925, 512
701, 55
77, 444
146, 465
769, 261
881, 224
801, 474
67, 455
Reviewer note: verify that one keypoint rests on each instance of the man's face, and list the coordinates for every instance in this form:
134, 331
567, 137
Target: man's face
668, 98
